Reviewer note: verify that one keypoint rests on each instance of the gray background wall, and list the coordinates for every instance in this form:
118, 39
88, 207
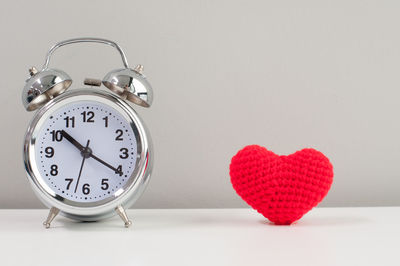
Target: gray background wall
286, 75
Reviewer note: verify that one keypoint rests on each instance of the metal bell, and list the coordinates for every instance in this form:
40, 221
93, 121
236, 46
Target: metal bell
43, 86
130, 84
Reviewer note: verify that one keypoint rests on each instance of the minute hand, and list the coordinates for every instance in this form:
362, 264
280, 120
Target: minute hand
106, 164
81, 148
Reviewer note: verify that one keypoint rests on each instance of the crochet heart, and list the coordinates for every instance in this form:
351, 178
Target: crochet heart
282, 188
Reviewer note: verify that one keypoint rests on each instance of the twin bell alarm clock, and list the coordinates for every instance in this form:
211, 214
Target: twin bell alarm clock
87, 153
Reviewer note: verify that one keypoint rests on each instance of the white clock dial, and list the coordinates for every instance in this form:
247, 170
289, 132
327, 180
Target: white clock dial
86, 151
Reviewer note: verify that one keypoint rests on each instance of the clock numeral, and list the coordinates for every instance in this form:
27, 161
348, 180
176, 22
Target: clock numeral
119, 133
56, 135
88, 117
105, 121
54, 170
104, 184
119, 168
86, 189
49, 152
67, 121
69, 180
124, 154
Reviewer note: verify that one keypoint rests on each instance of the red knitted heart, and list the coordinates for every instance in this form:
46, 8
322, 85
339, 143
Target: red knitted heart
282, 188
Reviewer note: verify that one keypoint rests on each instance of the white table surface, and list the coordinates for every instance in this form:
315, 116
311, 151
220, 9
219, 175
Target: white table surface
325, 236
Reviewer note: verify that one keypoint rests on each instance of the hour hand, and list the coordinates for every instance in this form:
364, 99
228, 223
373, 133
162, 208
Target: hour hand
72, 140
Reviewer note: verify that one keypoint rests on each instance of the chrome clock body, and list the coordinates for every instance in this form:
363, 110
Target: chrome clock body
45, 157
126, 195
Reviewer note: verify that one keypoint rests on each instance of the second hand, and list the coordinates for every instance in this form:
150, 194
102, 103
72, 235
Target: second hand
80, 171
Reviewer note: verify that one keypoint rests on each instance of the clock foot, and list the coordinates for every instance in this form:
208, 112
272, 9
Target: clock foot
121, 212
52, 214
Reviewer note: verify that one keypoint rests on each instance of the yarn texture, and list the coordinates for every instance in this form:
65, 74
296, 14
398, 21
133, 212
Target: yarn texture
282, 188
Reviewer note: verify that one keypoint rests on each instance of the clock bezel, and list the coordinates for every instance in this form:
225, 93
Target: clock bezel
136, 183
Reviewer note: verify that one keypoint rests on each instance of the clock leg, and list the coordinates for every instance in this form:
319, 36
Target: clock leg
122, 213
52, 214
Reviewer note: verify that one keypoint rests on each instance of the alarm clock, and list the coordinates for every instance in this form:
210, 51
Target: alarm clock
87, 153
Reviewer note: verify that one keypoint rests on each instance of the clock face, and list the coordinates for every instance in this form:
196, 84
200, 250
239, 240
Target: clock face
86, 151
